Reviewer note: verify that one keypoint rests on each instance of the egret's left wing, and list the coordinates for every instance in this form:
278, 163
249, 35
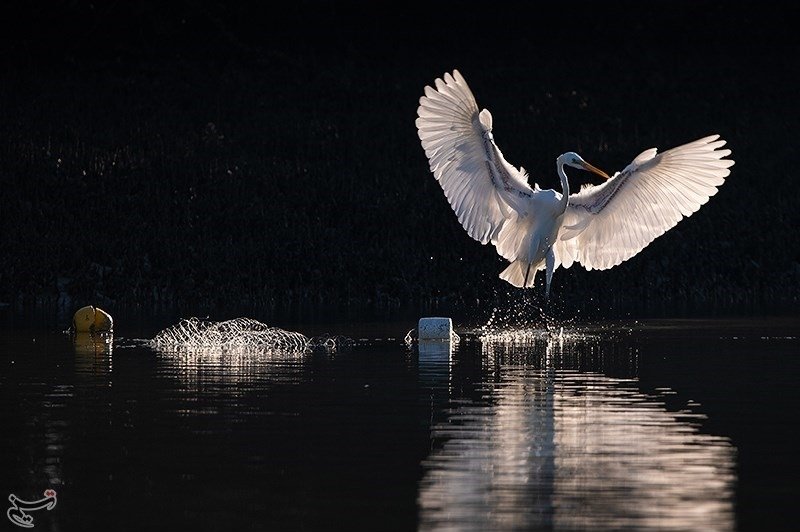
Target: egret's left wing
487, 193
607, 224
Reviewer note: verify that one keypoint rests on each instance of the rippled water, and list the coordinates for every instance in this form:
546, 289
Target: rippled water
660, 425
549, 446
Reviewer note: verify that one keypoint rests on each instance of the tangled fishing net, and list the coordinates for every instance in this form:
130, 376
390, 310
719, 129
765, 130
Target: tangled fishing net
241, 335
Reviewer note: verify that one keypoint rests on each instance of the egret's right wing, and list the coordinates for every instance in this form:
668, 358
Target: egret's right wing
610, 223
483, 189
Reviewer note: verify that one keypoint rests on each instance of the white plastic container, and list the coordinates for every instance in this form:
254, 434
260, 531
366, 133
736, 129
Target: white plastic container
435, 328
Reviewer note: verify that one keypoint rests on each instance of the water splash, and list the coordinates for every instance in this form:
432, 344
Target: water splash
524, 337
522, 318
526, 310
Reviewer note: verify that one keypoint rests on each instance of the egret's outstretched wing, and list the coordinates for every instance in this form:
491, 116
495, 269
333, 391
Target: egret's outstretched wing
484, 190
607, 224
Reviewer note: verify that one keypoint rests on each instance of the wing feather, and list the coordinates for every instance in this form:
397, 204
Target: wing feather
610, 223
484, 190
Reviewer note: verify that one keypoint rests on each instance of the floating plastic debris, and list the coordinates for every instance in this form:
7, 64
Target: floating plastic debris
435, 328
420, 334
91, 319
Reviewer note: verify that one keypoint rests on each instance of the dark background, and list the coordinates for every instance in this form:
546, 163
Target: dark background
227, 157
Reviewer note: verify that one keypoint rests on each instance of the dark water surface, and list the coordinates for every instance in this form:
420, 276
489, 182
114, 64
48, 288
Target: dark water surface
670, 424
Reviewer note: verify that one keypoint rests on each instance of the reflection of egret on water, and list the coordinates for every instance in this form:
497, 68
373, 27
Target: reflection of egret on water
555, 444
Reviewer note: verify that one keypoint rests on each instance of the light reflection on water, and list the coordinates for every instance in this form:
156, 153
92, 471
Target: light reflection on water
217, 389
554, 443
591, 427
234, 370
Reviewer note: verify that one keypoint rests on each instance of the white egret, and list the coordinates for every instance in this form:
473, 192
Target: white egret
599, 227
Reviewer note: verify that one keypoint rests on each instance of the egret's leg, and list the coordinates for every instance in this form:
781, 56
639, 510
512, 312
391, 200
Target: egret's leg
550, 262
528, 271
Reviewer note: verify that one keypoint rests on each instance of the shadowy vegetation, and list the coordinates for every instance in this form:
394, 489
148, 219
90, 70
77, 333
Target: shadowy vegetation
228, 172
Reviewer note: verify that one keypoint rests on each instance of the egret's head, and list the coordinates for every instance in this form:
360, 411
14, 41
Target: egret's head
576, 161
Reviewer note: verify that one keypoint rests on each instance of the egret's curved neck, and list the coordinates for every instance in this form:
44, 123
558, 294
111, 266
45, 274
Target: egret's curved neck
564, 186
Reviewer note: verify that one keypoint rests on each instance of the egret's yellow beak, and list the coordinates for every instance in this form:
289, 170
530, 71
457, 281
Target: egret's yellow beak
595, 170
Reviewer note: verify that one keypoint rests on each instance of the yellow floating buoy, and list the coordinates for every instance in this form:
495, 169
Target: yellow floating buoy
91, 319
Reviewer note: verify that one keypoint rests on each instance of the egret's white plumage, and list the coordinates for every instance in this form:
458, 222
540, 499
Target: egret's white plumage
534, 229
